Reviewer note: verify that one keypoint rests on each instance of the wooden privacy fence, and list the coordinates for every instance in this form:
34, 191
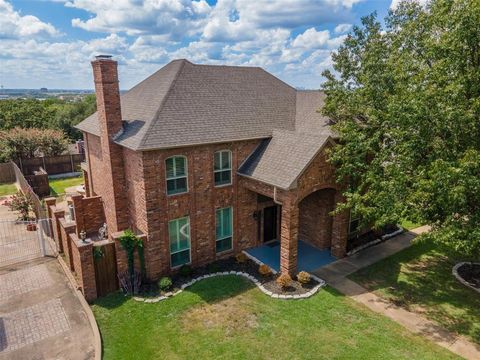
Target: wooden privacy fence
52, 164
7, 174
26, 188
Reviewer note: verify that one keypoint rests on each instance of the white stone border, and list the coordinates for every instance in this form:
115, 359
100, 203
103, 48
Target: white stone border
376, 241
459, 278
253, 279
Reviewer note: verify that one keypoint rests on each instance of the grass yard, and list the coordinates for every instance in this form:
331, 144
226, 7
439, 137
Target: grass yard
409, 225
228, 318
420, 279
7, 189
58, 186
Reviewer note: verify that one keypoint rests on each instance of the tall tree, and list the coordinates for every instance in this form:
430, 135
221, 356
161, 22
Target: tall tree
405, 100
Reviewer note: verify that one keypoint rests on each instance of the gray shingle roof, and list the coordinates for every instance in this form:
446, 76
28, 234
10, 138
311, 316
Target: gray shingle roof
186, 104
279, 161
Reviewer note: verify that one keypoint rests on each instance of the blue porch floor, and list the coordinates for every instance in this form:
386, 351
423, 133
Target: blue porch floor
309, 257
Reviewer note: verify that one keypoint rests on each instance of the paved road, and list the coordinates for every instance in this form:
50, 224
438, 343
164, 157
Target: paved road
40, 316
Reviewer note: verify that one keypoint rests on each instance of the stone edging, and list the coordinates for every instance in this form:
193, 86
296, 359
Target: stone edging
313, 291
97, 339
459, 278
376, 241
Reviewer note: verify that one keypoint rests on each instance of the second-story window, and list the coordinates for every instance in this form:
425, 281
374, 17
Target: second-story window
176, 171
222, 167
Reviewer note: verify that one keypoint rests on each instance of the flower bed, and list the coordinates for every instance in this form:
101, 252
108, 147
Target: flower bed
468, 274
231, 266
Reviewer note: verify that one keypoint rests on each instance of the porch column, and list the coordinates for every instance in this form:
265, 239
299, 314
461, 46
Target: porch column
289, 238
339, 229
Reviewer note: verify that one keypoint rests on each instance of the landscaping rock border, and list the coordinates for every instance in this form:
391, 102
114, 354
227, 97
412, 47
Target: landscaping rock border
376, 241
253, 279
459, 278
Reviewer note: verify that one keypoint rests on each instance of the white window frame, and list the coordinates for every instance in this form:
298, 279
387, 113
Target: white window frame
231, 227
350, 220
223, 170
176, 177
189, 243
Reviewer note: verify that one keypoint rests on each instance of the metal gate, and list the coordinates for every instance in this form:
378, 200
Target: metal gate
24, 240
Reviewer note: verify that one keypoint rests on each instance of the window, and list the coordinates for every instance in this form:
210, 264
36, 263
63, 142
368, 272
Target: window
354, 224
222, 167
179, 234
176, 169
224, 229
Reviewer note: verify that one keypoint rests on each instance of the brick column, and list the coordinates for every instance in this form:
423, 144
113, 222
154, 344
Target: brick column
57, 235
50, 203
66, 230
339, 229
82, 256
289, 238
86, 183
78, 209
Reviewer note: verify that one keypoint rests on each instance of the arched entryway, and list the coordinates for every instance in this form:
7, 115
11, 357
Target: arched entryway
315, 219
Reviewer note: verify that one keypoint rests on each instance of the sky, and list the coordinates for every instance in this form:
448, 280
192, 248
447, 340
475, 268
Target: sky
50, 43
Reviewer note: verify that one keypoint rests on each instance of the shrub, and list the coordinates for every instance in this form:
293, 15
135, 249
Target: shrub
284, 280
165, 283
23, 203
264, 270
303, 277
213, 268
185, 271
241, 258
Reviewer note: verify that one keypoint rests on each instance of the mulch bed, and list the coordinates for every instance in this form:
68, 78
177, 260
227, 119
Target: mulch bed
470, 273
231, 264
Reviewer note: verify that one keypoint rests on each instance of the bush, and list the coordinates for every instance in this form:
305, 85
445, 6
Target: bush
165, 283
264, 270
213, 268
185, 271
241, 258
303, 277
23, 203
284, 280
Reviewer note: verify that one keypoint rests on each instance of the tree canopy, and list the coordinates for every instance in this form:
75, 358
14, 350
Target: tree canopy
46, 114
405, 101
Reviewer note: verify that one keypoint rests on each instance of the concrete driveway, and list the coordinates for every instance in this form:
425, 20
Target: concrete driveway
40, 315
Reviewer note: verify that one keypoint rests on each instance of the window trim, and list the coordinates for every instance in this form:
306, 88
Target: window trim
189, 243
223, 170
176, 177
350, 220
225, 237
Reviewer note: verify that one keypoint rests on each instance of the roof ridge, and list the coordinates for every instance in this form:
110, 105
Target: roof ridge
167, 94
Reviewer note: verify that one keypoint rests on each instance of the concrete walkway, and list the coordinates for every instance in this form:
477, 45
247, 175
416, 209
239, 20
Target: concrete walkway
40, 315
335, 275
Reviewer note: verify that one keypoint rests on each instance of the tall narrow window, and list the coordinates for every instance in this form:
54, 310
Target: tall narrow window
179, 234
222, 167
176, 172
224, 230
354, 224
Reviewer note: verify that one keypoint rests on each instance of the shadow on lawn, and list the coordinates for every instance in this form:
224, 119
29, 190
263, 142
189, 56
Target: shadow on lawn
420, 279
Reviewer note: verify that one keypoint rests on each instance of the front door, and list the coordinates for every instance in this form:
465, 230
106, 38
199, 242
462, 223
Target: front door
270, 223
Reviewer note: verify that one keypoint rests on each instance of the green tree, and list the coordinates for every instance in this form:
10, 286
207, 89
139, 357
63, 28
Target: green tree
405, 102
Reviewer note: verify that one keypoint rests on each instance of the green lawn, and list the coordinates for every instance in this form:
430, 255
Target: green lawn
420, 279
409, 225
228, 318
58, 186
7, 189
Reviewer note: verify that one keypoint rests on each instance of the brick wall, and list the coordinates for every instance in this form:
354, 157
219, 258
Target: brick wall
89, 213
315, 226
65, 230
199, 203
82, 258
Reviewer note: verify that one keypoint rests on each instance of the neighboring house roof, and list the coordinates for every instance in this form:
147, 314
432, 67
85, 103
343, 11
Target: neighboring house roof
186, 104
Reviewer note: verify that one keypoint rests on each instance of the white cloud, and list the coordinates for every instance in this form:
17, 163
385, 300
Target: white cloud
14, 25
313, 39
173, 17
395, 3
342, 28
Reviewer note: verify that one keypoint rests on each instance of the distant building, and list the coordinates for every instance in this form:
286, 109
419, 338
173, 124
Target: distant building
43, 90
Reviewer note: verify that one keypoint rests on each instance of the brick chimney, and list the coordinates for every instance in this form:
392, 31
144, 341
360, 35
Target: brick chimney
112, 183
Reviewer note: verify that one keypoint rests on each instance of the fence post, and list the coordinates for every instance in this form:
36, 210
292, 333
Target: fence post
44, 166
71, 162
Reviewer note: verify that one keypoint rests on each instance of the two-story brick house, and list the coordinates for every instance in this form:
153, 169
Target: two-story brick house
207, 161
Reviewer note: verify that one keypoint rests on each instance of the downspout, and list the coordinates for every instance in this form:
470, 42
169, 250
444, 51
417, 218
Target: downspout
275, 196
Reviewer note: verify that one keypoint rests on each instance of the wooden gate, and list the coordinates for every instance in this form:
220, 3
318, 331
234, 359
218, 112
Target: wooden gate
105, 269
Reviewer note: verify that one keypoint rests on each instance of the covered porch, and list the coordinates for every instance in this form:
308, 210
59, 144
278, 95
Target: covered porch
309, 257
